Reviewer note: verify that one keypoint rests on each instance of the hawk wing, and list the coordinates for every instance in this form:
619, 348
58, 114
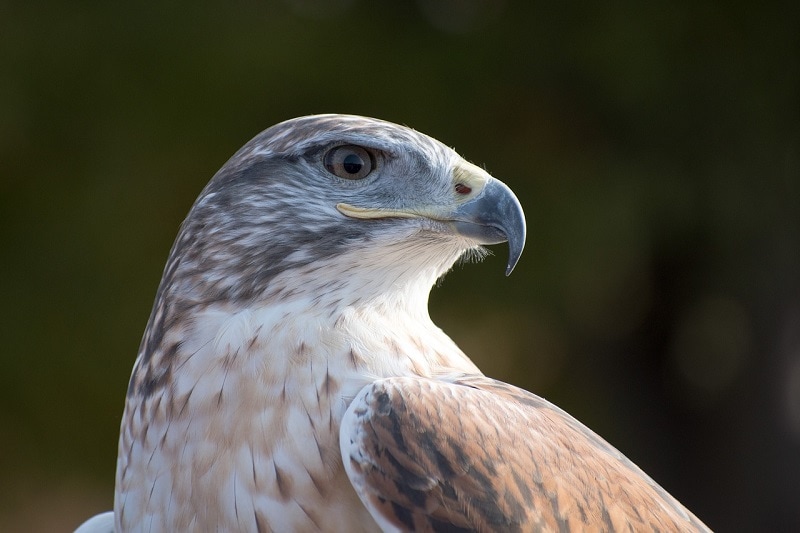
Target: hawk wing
475, 454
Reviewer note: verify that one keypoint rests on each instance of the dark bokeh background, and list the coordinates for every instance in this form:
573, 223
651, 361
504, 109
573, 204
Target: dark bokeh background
656, 150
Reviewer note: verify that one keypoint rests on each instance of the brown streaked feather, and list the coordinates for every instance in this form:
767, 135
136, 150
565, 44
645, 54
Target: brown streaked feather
476, 454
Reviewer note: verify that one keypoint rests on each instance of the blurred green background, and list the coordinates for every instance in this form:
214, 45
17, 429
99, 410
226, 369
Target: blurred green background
655, 148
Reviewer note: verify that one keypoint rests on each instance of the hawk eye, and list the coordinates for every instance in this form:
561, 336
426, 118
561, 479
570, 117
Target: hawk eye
349, 162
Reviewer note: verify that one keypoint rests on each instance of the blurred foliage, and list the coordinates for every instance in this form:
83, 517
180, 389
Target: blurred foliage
655, 148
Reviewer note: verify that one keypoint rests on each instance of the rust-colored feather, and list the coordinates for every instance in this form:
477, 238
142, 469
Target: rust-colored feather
480, 455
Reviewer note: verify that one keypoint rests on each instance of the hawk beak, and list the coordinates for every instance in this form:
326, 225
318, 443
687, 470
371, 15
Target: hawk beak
492, 216
485, 210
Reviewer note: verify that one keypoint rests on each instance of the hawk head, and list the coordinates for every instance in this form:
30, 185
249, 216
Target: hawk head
375, 196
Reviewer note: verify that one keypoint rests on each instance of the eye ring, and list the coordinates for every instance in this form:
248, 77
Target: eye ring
349, 162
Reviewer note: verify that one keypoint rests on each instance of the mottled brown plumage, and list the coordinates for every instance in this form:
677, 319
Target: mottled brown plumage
474, 454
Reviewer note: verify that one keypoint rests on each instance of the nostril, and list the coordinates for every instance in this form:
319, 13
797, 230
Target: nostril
463, 189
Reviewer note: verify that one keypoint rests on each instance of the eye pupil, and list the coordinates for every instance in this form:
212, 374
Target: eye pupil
352, 164
349, 162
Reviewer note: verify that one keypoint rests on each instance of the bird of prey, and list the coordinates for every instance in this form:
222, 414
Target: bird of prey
291, 379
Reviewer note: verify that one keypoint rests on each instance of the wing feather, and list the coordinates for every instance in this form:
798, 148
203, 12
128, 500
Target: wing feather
476, 454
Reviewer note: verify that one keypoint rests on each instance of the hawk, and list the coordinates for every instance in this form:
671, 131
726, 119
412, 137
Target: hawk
291, 379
